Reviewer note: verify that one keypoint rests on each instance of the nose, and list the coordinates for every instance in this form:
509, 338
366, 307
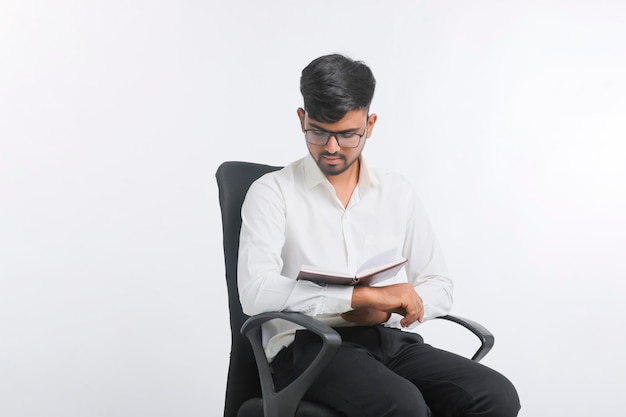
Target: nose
333, 144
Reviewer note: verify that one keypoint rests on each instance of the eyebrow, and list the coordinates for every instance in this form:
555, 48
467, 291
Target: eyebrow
318, 127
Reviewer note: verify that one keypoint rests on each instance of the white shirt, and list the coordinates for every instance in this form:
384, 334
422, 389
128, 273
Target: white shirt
293, 217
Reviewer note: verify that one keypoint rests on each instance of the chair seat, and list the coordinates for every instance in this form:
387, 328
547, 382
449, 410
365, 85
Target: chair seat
254, 408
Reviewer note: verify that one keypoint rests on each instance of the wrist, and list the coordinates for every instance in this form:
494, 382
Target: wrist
361, 297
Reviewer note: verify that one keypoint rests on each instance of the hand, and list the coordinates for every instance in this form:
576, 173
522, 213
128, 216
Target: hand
397, 298
366, 316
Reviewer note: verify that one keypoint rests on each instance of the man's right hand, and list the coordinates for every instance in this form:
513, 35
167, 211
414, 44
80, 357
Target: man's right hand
396, 298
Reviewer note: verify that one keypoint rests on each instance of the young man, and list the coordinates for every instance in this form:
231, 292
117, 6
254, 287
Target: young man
331, 209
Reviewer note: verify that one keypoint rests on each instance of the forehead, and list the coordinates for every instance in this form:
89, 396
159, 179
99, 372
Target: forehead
354, 119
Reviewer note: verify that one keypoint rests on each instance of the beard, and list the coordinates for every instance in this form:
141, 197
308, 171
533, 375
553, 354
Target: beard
335, 168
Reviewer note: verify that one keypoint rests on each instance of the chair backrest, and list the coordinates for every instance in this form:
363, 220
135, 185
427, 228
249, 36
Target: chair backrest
233, 181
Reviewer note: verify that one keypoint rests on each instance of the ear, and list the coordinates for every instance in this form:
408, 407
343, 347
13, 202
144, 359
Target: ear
301, 114
371, 121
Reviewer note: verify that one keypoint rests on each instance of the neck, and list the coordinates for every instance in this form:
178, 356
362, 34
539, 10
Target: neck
346, 182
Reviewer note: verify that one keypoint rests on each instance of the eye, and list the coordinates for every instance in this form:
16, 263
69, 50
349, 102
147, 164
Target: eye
347, 135
319, 133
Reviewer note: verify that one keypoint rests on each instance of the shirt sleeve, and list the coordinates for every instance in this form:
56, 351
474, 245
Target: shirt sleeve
426, 268
262, 287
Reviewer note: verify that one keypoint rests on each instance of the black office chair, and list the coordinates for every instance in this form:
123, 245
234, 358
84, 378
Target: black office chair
250, 389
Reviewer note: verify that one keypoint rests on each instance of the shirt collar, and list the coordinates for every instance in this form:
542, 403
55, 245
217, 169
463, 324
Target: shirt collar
313, 176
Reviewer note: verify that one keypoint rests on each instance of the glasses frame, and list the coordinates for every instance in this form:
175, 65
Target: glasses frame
336, 135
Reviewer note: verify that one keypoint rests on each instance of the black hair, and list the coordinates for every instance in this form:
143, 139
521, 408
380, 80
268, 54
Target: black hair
332, 85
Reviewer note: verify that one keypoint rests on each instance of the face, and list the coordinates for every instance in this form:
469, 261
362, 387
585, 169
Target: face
331, 158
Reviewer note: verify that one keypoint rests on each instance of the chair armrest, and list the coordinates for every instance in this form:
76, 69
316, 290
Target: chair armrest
285, 402
486, 338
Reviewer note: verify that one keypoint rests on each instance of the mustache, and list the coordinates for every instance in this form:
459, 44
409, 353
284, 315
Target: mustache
333, 155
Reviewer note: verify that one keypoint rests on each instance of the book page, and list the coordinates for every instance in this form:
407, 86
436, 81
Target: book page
378, 268
315, 270
380, 274
378, 260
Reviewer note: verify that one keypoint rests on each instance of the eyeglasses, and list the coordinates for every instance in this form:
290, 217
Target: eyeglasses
344, 139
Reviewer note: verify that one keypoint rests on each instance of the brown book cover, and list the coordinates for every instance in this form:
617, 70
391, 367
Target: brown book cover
377, 269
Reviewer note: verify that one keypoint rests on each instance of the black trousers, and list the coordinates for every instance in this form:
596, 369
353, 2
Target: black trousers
384, 372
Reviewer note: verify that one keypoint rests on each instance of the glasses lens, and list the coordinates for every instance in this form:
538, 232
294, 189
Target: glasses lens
350, 140
316, 137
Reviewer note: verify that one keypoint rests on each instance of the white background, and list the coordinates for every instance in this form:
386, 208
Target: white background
509, 117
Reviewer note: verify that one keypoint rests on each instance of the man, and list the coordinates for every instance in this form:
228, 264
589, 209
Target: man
331, 209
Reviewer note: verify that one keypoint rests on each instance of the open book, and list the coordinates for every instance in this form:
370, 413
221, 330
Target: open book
376, 269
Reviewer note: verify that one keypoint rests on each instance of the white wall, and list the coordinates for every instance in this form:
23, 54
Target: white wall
510, 118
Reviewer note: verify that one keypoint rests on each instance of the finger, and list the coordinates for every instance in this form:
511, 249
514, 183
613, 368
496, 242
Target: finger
407, 321
420, 317
410, 318
413, 313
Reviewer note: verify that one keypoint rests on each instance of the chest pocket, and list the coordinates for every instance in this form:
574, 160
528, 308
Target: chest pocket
375, 244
